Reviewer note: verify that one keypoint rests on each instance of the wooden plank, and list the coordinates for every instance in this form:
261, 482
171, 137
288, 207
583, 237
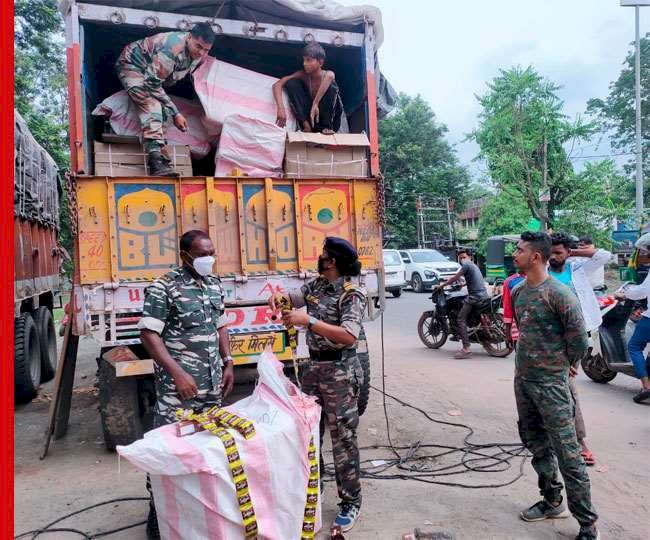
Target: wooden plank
130, 368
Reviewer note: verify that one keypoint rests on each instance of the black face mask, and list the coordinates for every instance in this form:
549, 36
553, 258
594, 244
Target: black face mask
321, 263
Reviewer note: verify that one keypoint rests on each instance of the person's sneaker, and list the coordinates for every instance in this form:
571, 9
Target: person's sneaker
588, 533
153, 533
642, 396
545, 510
348, 515
462, 354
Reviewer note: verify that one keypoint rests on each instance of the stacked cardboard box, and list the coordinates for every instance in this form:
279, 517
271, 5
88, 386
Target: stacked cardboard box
119, 159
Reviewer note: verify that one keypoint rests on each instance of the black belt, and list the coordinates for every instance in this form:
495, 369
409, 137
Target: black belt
329, 355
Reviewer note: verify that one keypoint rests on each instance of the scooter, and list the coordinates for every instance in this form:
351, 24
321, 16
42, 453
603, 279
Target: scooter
608, 355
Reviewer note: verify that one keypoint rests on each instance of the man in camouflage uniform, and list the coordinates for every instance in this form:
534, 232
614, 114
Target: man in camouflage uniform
334, 313
183, 327
145, 67
552, 339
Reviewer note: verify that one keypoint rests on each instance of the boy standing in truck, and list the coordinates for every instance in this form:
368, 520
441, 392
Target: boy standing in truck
313, 94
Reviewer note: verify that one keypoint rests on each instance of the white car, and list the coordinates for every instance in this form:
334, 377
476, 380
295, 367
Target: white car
395, 272
426, 267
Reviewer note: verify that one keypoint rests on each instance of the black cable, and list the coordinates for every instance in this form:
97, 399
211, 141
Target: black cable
47, 529
480, 458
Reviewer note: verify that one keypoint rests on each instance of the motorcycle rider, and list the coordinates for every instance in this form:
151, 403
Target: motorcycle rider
641, 336
476, 294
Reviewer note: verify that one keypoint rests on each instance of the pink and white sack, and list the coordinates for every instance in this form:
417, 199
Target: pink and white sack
253, 146
122, 115
192, 476
226, 89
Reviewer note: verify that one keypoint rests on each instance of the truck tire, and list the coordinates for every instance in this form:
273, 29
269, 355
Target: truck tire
47, 339
27, 359
119, 407
364, 390
416, 283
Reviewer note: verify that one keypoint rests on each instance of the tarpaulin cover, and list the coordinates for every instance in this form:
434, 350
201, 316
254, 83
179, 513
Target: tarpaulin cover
327, 14
192, 483
122, 114
36, 181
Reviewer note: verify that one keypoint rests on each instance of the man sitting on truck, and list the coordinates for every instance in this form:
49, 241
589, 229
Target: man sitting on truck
145, 67
313, 94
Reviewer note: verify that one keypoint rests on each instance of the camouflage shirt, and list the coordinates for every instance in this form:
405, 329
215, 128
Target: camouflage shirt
340, 303
163, 59
552, 335
186, 314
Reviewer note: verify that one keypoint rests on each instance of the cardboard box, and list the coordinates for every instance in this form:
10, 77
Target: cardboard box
119, 159
314, 155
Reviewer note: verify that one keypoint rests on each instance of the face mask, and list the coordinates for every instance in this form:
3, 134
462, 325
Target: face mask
203, 265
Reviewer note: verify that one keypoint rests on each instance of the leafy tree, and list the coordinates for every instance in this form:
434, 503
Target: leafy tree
522, 135
600, 195
416, 160
505, 213
616, 114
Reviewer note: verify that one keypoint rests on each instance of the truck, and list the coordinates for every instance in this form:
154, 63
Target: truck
268, 231
36, 262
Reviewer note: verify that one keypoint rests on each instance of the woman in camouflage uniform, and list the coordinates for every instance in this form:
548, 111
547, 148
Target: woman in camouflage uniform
333, 374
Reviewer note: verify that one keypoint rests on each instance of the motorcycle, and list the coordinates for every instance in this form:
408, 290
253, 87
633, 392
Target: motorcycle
484, 324
608, 355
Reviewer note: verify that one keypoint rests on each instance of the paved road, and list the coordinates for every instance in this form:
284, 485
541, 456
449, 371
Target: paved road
477, 391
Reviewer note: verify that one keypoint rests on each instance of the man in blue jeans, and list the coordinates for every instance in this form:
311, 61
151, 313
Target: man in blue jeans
641, 336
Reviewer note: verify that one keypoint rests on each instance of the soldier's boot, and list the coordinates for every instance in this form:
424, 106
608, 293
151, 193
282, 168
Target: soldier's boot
159, 165
589, 532
545, 510
153, 532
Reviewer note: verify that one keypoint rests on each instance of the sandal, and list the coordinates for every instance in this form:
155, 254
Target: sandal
589, 458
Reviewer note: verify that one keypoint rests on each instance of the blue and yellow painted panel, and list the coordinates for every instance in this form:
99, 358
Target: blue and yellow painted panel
325, 211
283, 214
146, 232
93, 238
368, 232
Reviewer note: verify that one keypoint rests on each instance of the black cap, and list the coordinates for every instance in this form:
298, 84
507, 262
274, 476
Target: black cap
339, 247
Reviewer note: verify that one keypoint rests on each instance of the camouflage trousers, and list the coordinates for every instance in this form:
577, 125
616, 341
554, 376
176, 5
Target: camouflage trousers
546, 426
336, 386
150, 110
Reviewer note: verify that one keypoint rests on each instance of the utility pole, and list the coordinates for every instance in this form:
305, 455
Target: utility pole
637, 94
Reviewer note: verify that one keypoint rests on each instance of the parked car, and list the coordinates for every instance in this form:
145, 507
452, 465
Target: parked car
426, 267
395, 271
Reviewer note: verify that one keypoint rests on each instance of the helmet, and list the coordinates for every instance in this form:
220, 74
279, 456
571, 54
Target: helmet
643, 242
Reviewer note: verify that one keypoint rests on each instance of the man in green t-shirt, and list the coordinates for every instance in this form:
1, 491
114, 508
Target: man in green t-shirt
552, 339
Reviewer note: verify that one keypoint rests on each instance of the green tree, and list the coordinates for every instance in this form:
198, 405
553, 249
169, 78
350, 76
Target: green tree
522, 135
505, 213
416, 160
616, 114
600, 195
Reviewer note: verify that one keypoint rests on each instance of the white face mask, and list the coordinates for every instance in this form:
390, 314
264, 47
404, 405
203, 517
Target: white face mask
203, 265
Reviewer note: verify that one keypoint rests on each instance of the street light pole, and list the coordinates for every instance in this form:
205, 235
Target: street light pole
637, 95
639, 145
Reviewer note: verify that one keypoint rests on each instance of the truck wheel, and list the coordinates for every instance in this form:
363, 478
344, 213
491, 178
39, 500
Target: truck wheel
364, 391
416, 282
595, 368
47, 338
119, 407
27, 359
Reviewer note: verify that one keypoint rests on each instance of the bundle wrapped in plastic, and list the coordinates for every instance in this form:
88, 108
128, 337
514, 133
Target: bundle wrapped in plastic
226, 89
255, 147
249, 470
122, 114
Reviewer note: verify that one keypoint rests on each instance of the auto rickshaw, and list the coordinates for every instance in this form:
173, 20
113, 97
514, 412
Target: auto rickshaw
498, 263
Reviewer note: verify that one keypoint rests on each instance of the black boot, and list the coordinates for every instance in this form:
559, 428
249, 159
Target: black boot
153, 533
159, 165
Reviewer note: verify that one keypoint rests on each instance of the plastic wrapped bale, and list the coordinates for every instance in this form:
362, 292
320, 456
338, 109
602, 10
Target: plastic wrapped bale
122, 115
255, 147
264, 480
225, 89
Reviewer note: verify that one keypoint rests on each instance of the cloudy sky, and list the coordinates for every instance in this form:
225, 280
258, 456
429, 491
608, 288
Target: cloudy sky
446, 50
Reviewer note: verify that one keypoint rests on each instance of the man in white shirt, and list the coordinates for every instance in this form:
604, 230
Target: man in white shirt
641, 336
597, 275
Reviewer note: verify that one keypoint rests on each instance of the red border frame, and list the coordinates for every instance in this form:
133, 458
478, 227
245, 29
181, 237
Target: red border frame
6, 272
